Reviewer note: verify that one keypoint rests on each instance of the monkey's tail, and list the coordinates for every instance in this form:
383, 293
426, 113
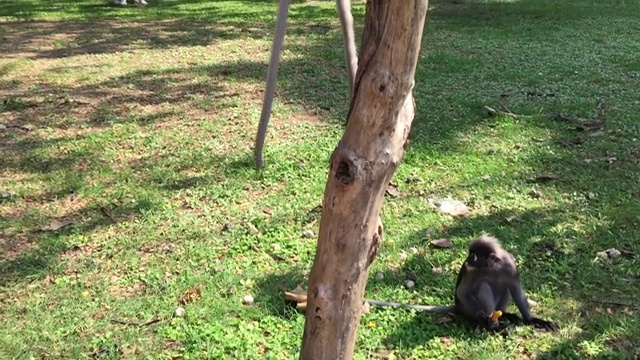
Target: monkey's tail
432, 309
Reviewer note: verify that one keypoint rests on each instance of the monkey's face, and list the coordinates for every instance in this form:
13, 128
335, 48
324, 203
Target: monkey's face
482, 260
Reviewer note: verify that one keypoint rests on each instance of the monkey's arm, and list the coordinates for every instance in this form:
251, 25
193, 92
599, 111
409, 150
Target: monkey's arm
520, 299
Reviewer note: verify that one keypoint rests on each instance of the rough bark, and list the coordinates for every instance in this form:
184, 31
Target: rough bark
361, 166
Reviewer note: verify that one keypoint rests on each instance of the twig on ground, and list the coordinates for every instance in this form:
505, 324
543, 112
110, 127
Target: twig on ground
153, 320
495, 112
583, 123
614, 303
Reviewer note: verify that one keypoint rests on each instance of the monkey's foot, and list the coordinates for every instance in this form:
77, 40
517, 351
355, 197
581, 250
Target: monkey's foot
512, 318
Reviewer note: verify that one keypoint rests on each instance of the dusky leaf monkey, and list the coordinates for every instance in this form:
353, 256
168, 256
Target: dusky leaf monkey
488, 280
346, 22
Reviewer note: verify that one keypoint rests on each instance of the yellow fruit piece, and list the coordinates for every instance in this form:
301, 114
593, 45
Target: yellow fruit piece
371, 325
496, 315
85, 293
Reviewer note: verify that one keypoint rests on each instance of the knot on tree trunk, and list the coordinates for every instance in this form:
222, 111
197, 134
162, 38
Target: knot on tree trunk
375, 244
349, 167
385, 82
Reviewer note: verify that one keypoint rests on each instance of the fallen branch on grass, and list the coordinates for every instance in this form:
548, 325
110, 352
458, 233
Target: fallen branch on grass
495, 112
582, 123
299, 297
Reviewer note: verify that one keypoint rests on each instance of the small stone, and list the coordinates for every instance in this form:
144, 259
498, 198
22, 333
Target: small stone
403, 256
247, 300
179, 312
409, 284
252, 229
591, 196
429, 233
6, 194
308, 234
379, 276
613, 253
486, 177
276, 246
413, 250
534, 193
437, 270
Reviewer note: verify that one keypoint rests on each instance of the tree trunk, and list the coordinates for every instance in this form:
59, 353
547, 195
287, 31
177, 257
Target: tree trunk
360, 170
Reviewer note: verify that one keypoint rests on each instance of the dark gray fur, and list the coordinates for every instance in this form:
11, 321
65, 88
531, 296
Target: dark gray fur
488, 280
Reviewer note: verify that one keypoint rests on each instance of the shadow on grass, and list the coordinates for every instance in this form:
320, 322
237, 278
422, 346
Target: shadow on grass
553, 261
600, 321
156, 9
553, 258
441, 95
33, 253
107, 30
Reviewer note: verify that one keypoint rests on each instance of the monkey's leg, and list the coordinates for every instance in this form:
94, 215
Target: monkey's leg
482, 304
503, 302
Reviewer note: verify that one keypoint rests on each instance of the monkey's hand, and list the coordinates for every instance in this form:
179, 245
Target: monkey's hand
494, 324
542, 324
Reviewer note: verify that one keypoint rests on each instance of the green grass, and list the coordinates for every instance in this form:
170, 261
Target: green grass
136, 125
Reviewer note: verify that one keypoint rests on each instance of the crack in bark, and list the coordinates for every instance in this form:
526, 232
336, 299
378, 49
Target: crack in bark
375, 244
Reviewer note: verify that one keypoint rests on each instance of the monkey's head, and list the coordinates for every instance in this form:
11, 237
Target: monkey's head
484, 251
485, 245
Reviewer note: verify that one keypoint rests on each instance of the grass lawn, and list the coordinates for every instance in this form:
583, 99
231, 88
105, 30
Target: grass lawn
128, 187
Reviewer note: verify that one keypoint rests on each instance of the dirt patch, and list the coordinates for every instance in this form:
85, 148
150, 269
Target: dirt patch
125, 291
13, 247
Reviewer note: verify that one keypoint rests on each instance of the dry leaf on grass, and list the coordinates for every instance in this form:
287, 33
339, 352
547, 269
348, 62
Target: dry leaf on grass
444, 320
191, 295
5, 194
56, 225
546, 177
451, 206
317, 209
442, 243
392, 190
